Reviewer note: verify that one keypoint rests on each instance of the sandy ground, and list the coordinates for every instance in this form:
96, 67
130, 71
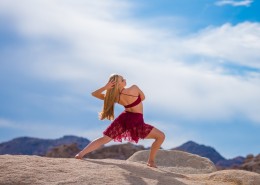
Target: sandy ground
23, 169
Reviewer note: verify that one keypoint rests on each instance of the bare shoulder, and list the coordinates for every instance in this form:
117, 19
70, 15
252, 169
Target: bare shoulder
137, 90
134, 87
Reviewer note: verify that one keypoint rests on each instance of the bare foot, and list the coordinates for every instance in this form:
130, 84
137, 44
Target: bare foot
78, 156
151, 164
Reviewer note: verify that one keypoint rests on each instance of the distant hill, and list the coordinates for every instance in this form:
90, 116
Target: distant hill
121, 151
118, 151
251, 163
230, 163
63, 151
202, 150
36, 146
210, 153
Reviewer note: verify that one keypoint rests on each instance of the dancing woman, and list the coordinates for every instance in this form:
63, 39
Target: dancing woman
129, 125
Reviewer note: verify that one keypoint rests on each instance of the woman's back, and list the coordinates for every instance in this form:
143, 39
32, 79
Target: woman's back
131, 98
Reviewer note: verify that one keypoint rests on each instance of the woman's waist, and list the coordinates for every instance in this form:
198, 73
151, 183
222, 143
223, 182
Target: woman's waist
136, 109
133, 112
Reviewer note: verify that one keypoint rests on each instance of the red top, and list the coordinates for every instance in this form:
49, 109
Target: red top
136, 102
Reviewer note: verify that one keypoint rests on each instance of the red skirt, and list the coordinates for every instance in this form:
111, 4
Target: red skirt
129, 126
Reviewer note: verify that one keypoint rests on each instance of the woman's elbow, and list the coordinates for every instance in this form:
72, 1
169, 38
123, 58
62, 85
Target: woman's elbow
94, 94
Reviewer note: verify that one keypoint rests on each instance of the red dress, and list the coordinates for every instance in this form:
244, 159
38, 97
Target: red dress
129, 126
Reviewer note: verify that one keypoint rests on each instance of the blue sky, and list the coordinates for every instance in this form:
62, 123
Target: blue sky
196, 61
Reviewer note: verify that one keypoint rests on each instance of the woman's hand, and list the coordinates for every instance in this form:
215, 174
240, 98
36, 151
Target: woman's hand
98, 93
110, 85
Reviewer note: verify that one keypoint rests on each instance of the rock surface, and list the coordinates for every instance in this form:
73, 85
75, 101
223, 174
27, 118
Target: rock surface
177, 161
24, 169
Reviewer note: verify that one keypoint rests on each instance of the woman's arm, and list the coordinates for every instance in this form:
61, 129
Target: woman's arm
140, 92
99, 92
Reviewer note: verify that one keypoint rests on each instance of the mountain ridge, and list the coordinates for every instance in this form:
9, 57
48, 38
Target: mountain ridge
210, 153
36, 146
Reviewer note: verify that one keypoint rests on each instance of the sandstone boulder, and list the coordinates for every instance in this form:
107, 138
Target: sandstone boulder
177, 161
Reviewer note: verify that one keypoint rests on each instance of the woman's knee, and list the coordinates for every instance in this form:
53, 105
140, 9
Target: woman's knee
161, 136
156, 134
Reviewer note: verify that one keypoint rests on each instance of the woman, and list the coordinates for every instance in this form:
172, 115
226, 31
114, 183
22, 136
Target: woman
129, 125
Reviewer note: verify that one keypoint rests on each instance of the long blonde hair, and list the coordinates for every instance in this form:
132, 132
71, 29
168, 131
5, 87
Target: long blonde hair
111, 97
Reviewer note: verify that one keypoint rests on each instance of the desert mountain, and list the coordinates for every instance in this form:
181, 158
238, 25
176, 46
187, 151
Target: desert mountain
36, 146
210, 153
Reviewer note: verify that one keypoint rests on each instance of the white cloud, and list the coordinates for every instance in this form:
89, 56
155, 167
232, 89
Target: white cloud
180, 74
238, 44
234, 3
40, 129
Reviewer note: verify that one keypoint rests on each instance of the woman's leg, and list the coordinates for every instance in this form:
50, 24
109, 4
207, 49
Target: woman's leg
159, 138
93, 146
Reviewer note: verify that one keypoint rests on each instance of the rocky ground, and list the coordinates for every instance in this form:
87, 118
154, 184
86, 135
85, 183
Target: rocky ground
174, 167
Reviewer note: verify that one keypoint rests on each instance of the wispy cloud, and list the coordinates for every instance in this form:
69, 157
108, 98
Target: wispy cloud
57, 52
234, 3
97, 43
